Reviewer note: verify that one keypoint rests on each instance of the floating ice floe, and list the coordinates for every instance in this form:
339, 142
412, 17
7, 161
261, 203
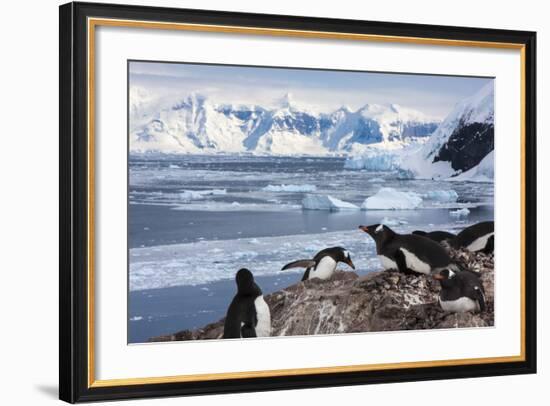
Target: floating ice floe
447, 196
325, 202
188, 195
464, 212
136, 318
391, 199
391, 222
290, 188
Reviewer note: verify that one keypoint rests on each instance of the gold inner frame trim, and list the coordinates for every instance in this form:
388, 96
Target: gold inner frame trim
94, 22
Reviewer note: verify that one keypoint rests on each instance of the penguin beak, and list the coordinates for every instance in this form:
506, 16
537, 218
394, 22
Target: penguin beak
438, 277
350, 263
364, 228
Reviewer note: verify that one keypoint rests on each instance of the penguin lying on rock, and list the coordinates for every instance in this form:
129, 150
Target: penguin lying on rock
408, 253
477, 237
460, 291
248, 314
323, 264
437, 236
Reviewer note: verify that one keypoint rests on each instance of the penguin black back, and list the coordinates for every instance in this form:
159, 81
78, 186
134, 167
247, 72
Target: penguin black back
242, 317
460, 291
477, 237
323, 264
437, 236
407, 252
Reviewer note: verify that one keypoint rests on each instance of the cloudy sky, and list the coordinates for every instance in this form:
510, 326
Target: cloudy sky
318, 90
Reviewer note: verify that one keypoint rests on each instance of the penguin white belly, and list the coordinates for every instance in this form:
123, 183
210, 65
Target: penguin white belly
463, 304
387, 263
414, 263
263, 327
479, 243
324, 269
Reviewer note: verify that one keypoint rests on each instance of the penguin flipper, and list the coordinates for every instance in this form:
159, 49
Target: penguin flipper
402, 263
477, 293
480, 295
248, 331
301, 263
306, 274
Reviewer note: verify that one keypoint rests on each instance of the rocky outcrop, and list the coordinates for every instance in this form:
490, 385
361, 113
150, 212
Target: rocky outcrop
379, 301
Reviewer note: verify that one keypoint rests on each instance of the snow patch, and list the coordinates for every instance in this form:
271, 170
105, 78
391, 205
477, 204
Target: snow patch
483, 172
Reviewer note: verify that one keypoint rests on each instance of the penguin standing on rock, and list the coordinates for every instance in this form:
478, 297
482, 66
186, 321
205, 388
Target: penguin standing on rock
477, 237
248, 314
323, 264
408, 253
437, 236
461, 291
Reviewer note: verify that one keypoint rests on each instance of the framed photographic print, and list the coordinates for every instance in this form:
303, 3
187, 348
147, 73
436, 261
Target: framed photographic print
257, 202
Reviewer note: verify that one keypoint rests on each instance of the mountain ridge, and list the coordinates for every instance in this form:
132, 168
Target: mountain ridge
195, 124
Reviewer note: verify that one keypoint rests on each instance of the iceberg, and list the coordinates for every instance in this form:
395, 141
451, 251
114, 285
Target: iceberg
325, 202
446, 196
392, 199
391, 222
290, 188
464, 212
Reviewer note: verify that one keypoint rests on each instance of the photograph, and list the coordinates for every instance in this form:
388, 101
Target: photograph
272, 201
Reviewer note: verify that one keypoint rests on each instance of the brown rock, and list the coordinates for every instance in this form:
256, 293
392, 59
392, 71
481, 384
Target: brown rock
379, 301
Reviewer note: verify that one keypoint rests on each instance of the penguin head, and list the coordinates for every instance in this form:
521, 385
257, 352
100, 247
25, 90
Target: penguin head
246, 284
380, 233
343, 255
445, 277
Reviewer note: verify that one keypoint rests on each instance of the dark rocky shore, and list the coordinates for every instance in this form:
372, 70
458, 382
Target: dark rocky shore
379, 301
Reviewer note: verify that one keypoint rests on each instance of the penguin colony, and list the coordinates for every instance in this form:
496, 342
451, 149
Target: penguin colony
419, 253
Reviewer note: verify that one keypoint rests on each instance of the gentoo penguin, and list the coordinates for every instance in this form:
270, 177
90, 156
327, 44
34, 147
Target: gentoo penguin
477, 237
408, 252
323, 264
437, 236
460, 291
248, 314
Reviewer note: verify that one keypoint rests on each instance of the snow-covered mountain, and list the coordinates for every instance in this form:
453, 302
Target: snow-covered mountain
461, 142
195, 124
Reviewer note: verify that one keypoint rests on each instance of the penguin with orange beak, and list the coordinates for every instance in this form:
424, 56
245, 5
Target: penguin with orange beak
408, 253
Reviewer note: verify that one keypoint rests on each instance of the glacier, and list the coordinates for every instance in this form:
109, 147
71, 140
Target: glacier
461, 148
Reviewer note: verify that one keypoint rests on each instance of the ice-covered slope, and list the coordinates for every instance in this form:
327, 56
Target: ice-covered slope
195, 124
461, 141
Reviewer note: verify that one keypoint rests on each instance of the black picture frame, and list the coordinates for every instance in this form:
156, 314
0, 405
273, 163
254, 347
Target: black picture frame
74, 385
